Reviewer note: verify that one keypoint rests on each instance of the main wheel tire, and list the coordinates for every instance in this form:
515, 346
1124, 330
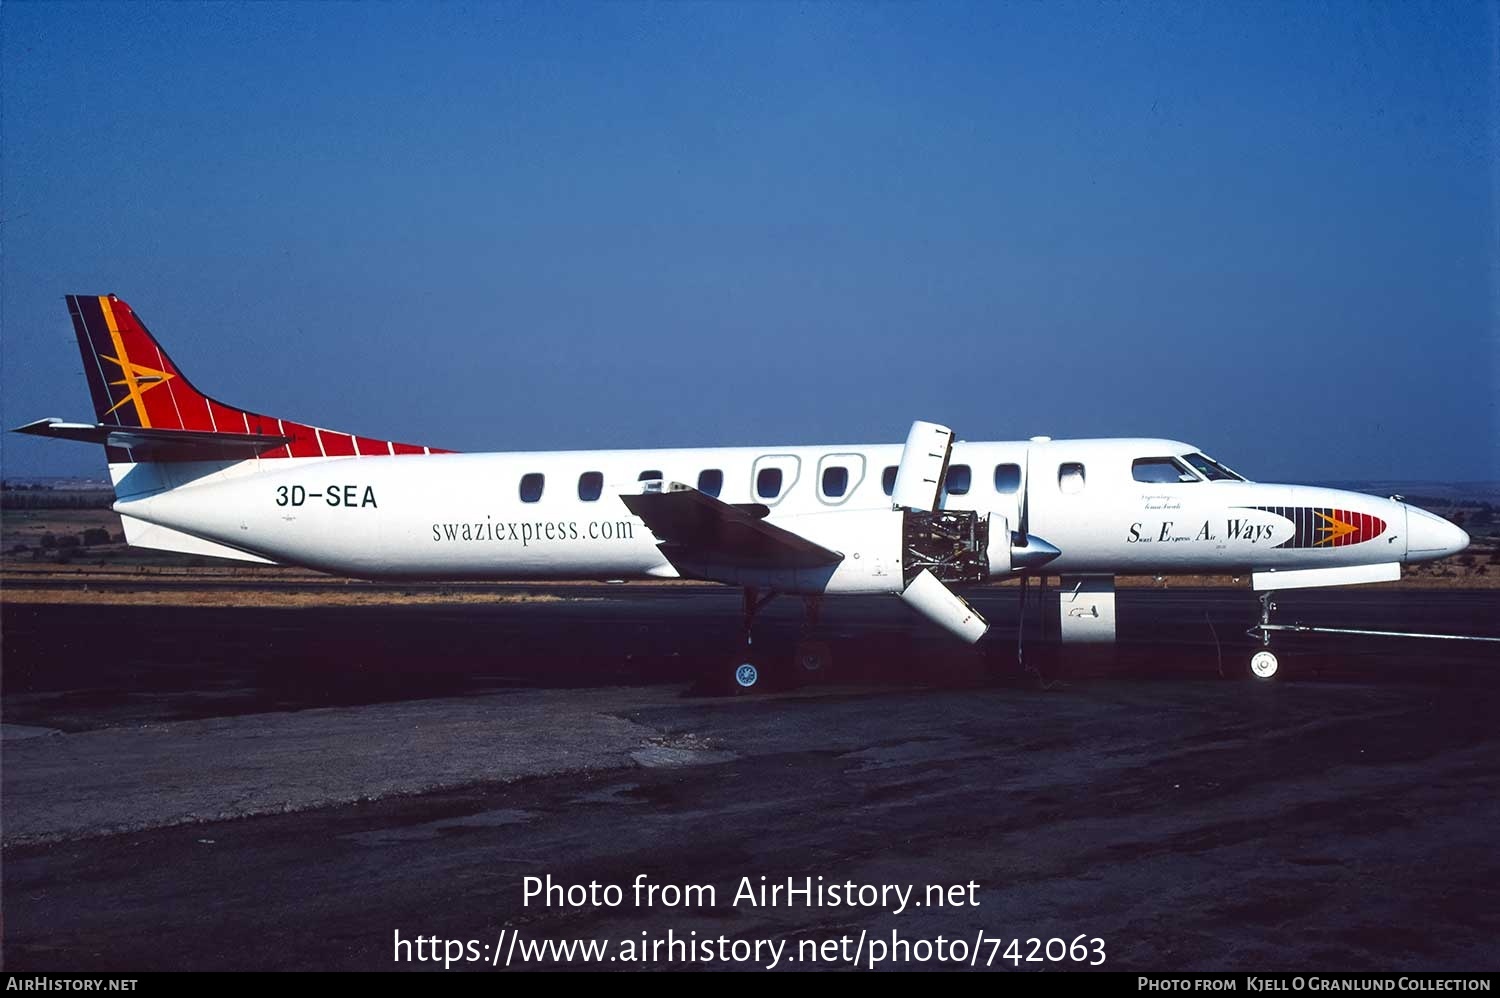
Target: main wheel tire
1263, 665
813, 656
746, 675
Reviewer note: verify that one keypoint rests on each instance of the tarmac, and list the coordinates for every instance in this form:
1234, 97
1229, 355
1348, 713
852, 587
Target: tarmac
246, 788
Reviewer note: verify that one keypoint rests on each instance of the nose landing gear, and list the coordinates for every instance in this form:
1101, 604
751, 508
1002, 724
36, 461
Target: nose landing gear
1263, 664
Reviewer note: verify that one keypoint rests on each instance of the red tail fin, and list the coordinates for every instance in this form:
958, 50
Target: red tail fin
135, 384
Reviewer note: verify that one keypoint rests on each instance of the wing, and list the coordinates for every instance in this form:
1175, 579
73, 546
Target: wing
697, 529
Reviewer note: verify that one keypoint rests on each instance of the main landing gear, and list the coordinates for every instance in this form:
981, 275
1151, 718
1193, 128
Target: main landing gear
811, 656
749, 666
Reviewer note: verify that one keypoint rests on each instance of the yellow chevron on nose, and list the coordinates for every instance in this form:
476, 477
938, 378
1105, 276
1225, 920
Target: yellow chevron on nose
1333, 528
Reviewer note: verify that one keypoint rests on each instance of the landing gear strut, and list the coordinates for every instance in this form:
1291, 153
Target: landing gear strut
746, 671
1263, 664
812, 656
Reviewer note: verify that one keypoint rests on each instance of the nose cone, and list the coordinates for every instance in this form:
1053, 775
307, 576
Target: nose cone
1430, 537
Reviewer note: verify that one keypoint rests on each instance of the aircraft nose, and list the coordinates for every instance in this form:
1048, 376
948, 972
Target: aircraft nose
1430, 537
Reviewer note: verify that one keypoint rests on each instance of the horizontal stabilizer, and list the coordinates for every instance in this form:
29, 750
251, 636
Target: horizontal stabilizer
146, 444
696, 528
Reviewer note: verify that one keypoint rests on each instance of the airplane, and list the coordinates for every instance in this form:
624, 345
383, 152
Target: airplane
921, 521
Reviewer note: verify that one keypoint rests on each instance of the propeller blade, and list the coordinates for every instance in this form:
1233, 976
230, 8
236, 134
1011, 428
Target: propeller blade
1021, 527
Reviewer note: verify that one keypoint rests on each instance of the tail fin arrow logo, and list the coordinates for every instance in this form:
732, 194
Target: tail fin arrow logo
138, 380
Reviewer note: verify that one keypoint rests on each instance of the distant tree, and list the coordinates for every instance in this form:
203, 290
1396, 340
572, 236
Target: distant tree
48, 541
95, 535
68, 541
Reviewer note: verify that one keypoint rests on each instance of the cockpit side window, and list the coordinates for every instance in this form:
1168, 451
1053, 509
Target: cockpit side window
1161, 471
1211, 469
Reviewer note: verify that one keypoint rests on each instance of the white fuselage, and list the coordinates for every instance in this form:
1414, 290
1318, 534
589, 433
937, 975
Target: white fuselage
464, 516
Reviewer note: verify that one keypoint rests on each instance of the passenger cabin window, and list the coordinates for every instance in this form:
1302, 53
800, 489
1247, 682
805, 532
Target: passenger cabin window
835, 481
531, 487
1070, 478
711, 482
768, 483
648, 476
1161, 471
1007, 479
1211, 469
590, 486
888, 480
959, 477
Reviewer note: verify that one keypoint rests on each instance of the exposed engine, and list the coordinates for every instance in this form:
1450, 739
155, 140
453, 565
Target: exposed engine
951, 544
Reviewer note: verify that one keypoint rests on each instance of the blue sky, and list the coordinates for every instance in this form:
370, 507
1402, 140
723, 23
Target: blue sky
1269, 229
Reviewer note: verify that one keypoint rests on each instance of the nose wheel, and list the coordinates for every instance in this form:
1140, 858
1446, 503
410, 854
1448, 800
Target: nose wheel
1263, 664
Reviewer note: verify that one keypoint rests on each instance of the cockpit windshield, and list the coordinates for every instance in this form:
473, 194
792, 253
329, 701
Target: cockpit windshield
1211, 469
1161, 471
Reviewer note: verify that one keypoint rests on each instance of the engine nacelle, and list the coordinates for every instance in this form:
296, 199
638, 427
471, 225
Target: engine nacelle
965, 547
869, 541
885, 549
